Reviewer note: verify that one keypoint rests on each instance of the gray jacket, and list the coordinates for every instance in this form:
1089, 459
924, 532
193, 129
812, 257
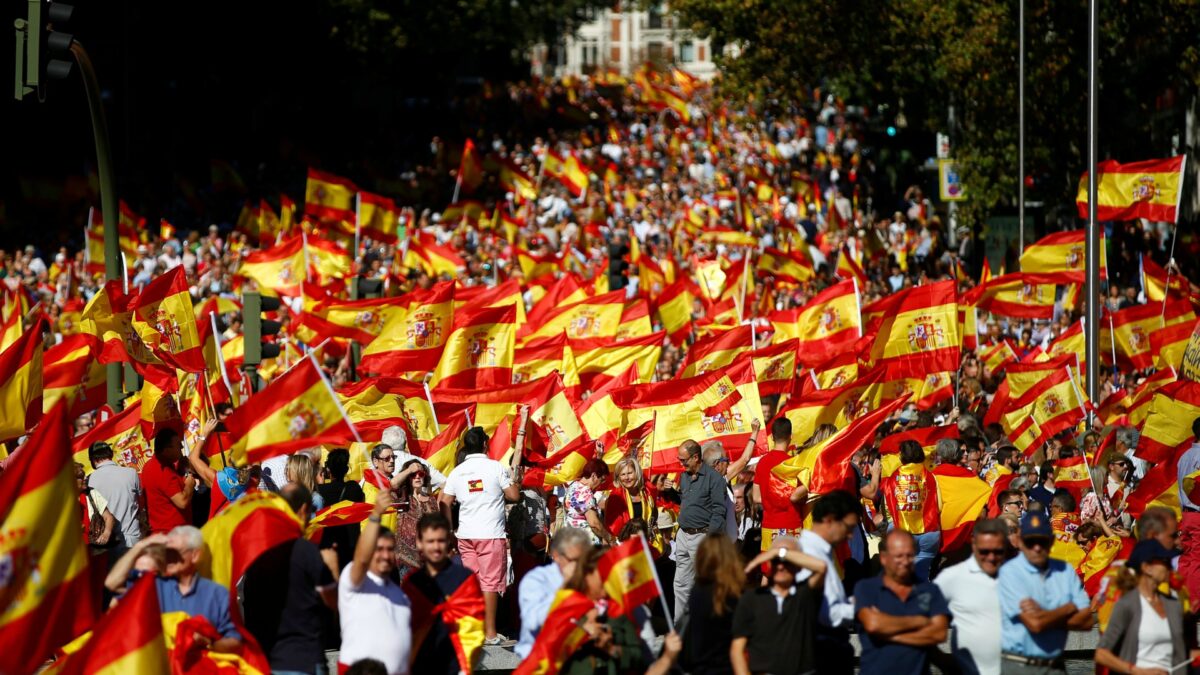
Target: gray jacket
1121, 637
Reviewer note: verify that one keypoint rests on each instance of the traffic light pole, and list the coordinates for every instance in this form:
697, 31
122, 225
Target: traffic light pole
108, 198
1092, 250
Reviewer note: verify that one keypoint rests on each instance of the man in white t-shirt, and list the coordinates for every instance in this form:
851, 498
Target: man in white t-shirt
970, 590
481, 486
375, 615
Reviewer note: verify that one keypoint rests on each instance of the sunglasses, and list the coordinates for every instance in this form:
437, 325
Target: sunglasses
995, 552
389, 458
1013, 504
1037, 542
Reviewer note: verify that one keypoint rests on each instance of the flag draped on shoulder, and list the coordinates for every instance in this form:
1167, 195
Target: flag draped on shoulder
962, 496
297, 410
48, 593
462, 614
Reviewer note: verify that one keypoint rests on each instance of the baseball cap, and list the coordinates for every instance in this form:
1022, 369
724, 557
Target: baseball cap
1149, 550
229, 483
1036, 524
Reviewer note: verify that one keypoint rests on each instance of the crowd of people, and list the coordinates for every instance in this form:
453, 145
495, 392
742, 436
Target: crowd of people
754, 579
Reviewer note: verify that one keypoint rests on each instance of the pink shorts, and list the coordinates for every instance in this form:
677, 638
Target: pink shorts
488, 559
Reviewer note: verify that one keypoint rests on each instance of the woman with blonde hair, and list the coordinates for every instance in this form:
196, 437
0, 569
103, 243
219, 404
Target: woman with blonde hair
720, 580
632, 498
300, 470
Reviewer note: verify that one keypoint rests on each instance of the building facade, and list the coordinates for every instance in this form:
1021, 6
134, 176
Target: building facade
623, 40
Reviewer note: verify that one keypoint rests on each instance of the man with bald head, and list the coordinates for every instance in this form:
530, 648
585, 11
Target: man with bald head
899, 616
701, 511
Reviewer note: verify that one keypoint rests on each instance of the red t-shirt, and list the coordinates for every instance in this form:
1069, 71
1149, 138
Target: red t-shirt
778, 510
160, 484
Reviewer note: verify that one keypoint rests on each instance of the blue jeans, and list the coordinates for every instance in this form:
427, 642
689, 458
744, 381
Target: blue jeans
928, 545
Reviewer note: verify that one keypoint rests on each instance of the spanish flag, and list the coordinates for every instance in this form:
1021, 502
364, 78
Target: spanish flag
327, 259
21, 382
848, 267
924, 326
379, 219
1141, 397
560, 635
297, 410
10, 330
73, 375
128, 639
997, 356
245, 529
810, 410
516, 181
442, 450
602, 418
506, 293
719, 405
1072, 474
826, 466
124, 433
600, 360
49, 595
595, 317
927, 438
827, 326
566, 290
470, 168
1168, 427
635, 320
329, 198
794, 268
163, 318
461, 612
629, 577
1149, 189
776, 366
1167, 345
1157, 283
358, 320
479, 350
962, 496
1130, 329
1054, 404
492, 406
413, 341
279, 269
674, 310
425, 254
335, 515
559, 434
534, 265
538, 358
469, 210
568, 170
376, 403
717, 351
730, 237
1062, 252
1019, 295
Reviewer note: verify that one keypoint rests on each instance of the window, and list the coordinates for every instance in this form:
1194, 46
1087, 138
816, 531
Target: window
654, 16
687, 51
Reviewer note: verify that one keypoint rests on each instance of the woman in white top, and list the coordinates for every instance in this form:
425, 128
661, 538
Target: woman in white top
1145, 632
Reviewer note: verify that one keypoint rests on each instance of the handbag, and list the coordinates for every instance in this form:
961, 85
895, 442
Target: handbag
95, 522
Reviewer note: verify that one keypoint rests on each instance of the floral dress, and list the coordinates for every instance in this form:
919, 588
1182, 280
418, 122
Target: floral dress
579, 500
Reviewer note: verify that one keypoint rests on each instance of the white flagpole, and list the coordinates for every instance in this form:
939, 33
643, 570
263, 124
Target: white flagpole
329, 388
429, 397
220, 356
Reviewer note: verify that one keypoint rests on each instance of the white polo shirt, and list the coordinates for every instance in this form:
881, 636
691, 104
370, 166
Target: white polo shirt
478, 484
975, 605
376, 620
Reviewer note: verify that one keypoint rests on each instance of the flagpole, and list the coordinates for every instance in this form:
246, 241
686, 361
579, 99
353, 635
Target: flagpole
336, 401
662, 598
220, 355
1170, 263
429, 397
1092, 289
357, 228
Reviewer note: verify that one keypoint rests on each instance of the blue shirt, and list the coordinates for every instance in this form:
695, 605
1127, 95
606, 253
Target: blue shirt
1051, 589
534, 596
925, 599
205, 598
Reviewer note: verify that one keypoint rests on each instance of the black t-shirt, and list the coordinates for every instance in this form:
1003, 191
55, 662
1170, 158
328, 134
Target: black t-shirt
707, 636
343, 538
436, 654
779, 642
282, 607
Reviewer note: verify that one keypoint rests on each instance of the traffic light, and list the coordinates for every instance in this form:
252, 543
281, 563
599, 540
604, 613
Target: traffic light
255, 327
43, 51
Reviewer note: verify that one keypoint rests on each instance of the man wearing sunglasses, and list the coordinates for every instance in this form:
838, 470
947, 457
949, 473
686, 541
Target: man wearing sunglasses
1040, 600
970, 588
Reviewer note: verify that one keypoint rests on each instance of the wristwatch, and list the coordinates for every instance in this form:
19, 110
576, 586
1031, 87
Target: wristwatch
374, 518
782, 555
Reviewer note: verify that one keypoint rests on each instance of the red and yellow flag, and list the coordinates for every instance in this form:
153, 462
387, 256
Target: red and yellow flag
297, 410
1167, 345
164, 320
21, 387
479, 351
538, 358
49, 595
1149, 189
461, 612
828, 325
244, 530
923, 328
72, 374
717, 351
1130, 329
513, 179
470, 168
1072, 474
358, 320
997, 356
376, 403
413, 341
560, 635
568, 170
1062, 252
635, 320
629, 578
1019, 295
595, 317
600, 360
128, 639
329, 198
378, 218
123, 432
425, 254
279, 269
962, 496
790, 267
848, 268
927, 438
674, 310
776, 366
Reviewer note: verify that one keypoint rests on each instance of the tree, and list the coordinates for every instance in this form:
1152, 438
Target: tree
924, 56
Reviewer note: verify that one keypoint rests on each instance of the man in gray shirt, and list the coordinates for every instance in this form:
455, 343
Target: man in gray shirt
701, 512
119, 485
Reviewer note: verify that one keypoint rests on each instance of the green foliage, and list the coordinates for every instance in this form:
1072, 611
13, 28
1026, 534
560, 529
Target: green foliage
932, 54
